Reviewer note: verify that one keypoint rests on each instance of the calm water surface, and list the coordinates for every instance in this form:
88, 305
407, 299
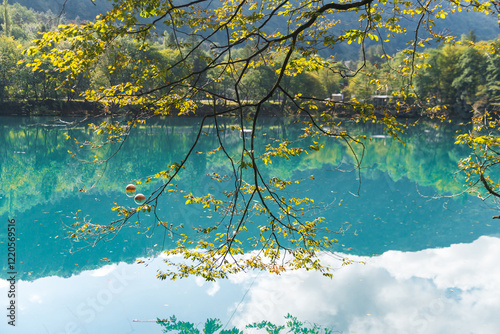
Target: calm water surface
430, 262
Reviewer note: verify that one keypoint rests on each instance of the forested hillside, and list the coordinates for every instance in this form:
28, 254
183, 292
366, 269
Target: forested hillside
453, 78
485, 27
72, 9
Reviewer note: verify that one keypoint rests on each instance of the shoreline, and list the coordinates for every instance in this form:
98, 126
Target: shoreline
49, 108
91, 108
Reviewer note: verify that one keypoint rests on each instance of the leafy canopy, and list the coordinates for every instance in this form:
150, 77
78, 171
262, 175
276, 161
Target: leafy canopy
216, 49
212, 326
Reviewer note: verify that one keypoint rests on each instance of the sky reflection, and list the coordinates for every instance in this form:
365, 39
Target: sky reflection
441, 290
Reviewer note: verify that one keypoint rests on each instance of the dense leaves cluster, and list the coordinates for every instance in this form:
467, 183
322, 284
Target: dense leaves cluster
212, 326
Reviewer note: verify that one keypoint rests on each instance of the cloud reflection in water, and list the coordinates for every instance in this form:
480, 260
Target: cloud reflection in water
442, 290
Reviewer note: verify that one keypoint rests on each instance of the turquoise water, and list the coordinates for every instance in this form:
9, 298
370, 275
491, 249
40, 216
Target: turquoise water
430, 258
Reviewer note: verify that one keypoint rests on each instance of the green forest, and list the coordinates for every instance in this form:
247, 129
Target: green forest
452, 79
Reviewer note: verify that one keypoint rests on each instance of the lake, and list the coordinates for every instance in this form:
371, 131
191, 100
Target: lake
424, 261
